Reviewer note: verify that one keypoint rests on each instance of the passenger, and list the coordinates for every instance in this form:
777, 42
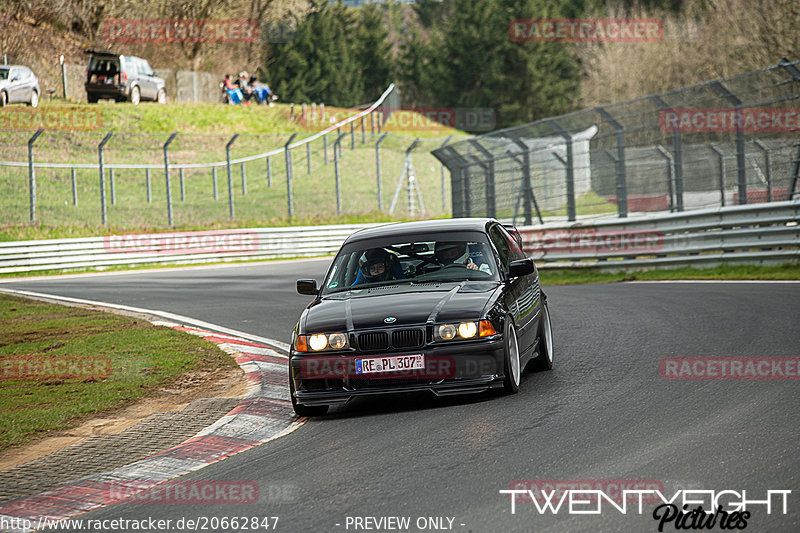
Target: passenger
455, 253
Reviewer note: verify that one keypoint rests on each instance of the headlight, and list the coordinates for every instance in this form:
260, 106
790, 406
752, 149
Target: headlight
337, 341
467, 330
321, 341
463, 330
445, 332
318, 342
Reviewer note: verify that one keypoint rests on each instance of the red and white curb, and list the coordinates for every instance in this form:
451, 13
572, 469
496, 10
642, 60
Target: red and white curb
265, 413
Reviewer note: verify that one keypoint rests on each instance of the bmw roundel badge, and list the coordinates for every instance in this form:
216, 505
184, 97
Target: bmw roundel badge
390, 320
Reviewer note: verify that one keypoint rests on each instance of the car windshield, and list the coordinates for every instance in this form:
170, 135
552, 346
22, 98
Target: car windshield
379, 263
3, 74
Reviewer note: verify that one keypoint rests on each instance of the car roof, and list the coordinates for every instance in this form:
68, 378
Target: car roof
422, 226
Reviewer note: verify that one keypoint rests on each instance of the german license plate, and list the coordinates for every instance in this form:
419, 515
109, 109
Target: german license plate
389, 363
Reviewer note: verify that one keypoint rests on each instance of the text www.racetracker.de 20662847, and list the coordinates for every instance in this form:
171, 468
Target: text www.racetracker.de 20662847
149, 524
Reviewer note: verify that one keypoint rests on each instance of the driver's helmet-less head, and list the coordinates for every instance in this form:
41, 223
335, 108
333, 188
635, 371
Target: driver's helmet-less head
376, 266
447, 252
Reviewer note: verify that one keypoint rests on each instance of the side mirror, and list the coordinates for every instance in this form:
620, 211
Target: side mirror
520, 267
307, 286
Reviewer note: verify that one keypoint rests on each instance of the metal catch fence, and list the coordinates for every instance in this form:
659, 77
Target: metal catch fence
723, 142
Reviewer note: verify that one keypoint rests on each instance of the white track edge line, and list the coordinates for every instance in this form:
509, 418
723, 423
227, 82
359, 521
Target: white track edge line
282, 346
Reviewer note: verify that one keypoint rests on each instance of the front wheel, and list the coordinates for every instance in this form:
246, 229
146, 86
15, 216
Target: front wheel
544, 361
512, 364
3, 99
34, 101
162, 96
304, 410
135, 96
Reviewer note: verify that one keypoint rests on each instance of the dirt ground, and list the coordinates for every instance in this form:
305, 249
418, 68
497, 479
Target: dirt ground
220, 383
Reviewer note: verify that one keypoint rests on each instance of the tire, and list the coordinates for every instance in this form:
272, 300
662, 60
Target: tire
34, 101
162, 96
544, 361
511, 368
304, 410
136, 96
3, 99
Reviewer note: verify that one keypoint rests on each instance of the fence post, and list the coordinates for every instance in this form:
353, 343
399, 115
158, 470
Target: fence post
527, 186
441, 171
795, 175
183, 185
308, 158
741, 169
147, 185
113, 187
230, 177
570, 162
522, 189
269, 171
768, 163
214, 182
244, 180
336, 173
325, 148
103, 176
491, 204
352, 136
63, 77
363, 134
721, 159
167, 178
288, 155
622, 183
677, 155
74, 188
32, 175
670, 175
378, 169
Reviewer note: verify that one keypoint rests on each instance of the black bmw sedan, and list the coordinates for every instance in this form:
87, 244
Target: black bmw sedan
446, 306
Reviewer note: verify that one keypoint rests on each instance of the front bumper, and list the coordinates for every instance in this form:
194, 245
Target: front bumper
461, 368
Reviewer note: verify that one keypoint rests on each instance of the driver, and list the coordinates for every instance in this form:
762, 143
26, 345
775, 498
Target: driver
377, 267
455, 253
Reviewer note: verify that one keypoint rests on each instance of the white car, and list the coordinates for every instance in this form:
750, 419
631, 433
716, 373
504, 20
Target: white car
18, 85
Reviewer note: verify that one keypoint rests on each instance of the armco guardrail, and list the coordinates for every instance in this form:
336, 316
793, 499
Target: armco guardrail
750, 234
173, 248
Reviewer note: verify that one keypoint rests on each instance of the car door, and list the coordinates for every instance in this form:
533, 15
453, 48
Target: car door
515, 287
15, 82
26, 87
521, 298
146, 81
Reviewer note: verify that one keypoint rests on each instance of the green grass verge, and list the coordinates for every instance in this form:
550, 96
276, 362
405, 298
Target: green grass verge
43, 336
725, 272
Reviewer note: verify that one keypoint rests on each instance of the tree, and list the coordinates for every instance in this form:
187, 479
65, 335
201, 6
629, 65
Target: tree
320, 65
472, 62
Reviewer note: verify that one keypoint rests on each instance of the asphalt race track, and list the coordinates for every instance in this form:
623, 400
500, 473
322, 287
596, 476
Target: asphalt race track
603, 414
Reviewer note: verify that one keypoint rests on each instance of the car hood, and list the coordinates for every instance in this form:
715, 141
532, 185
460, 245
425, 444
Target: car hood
408, 304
